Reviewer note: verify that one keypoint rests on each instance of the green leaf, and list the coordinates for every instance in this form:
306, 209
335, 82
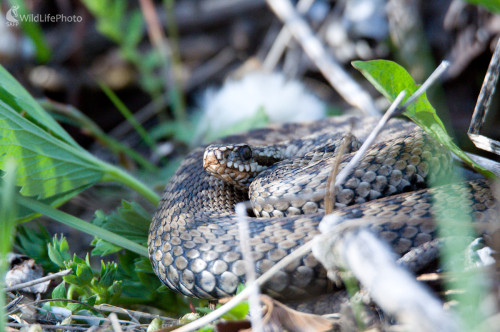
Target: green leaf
91, 300
47, 166
74, 307
104, 248
237, 313
390, 79
84, 274
491, 5
135, 28
49, 162
130, 220
13, 93
8, 213
108, 274
33, 243
109, 15
71, 279
60, 291
155, 325
58, 251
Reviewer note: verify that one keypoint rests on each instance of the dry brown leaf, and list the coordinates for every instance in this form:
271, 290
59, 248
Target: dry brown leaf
279, 317
23, 269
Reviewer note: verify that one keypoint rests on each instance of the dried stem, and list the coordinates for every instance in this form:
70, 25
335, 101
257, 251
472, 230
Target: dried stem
341, 177
283, 38
38, 281
483, 106
330, 183
115, 323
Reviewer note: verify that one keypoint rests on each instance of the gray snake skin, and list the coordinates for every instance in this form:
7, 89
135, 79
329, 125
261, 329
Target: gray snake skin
193, 239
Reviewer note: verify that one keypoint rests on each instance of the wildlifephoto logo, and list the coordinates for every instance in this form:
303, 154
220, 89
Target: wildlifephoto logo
13, 17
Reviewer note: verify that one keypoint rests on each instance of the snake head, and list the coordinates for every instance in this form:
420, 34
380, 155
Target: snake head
237, 164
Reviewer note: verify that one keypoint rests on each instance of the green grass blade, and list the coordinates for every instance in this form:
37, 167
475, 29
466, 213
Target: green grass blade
8, 213
120, 176
81, 225
74, 116
33, 30
492, 5
127, 114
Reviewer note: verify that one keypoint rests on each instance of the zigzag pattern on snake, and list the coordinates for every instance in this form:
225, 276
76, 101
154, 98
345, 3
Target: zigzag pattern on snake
193, 240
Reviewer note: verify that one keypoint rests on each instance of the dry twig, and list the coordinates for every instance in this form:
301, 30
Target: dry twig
483, 106
38, 281
254, 302
330, 182
283, 38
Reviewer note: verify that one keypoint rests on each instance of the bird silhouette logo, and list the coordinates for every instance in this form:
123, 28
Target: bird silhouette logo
12, 16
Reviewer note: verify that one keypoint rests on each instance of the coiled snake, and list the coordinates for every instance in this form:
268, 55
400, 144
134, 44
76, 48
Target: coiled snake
193, 239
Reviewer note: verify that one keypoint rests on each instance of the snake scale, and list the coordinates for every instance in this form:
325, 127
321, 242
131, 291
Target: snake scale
193, 239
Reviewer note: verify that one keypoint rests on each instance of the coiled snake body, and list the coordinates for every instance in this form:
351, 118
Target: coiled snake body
193, 240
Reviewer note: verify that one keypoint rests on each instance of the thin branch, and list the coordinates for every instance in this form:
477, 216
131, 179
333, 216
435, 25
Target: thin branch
351, 91
341, 177
283, 38
131, 313
115, 323
38, 281
330, 182
161, 43
483, 105
49, 327
443, 66
254, 302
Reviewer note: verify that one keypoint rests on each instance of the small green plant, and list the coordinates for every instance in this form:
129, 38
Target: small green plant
237, 313
128, 281
85, 284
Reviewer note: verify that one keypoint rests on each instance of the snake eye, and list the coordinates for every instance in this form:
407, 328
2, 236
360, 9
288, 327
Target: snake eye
245, 153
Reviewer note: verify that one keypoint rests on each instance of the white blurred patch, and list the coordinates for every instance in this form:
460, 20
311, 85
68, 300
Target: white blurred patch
282, 100
366, 18
486, 256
